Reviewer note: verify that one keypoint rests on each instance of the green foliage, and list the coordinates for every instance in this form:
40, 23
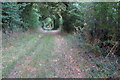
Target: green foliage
10, 16
48, 21
52, 10
30, 15
99, 17
102, 24
102, 19
73, 16
19, 16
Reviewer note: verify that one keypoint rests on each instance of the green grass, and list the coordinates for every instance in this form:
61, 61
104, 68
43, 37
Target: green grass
13, 53
24, 46
42, 56
17, 50
70, 38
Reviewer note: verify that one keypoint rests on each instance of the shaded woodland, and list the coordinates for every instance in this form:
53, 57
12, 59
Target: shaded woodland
94, 25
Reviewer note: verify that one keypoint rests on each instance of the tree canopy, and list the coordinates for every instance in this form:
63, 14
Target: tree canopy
98, 21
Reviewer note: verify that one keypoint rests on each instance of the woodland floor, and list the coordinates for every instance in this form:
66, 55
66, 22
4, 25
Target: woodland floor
35, 55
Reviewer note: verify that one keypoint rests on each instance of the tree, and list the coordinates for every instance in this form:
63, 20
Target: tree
11, 19
30, 15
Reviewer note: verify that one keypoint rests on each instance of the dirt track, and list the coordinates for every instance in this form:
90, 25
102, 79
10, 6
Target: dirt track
44, 61
50, 56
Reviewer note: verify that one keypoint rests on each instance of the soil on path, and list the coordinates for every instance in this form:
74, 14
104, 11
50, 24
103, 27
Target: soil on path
51, 55
65, 66
61, 64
